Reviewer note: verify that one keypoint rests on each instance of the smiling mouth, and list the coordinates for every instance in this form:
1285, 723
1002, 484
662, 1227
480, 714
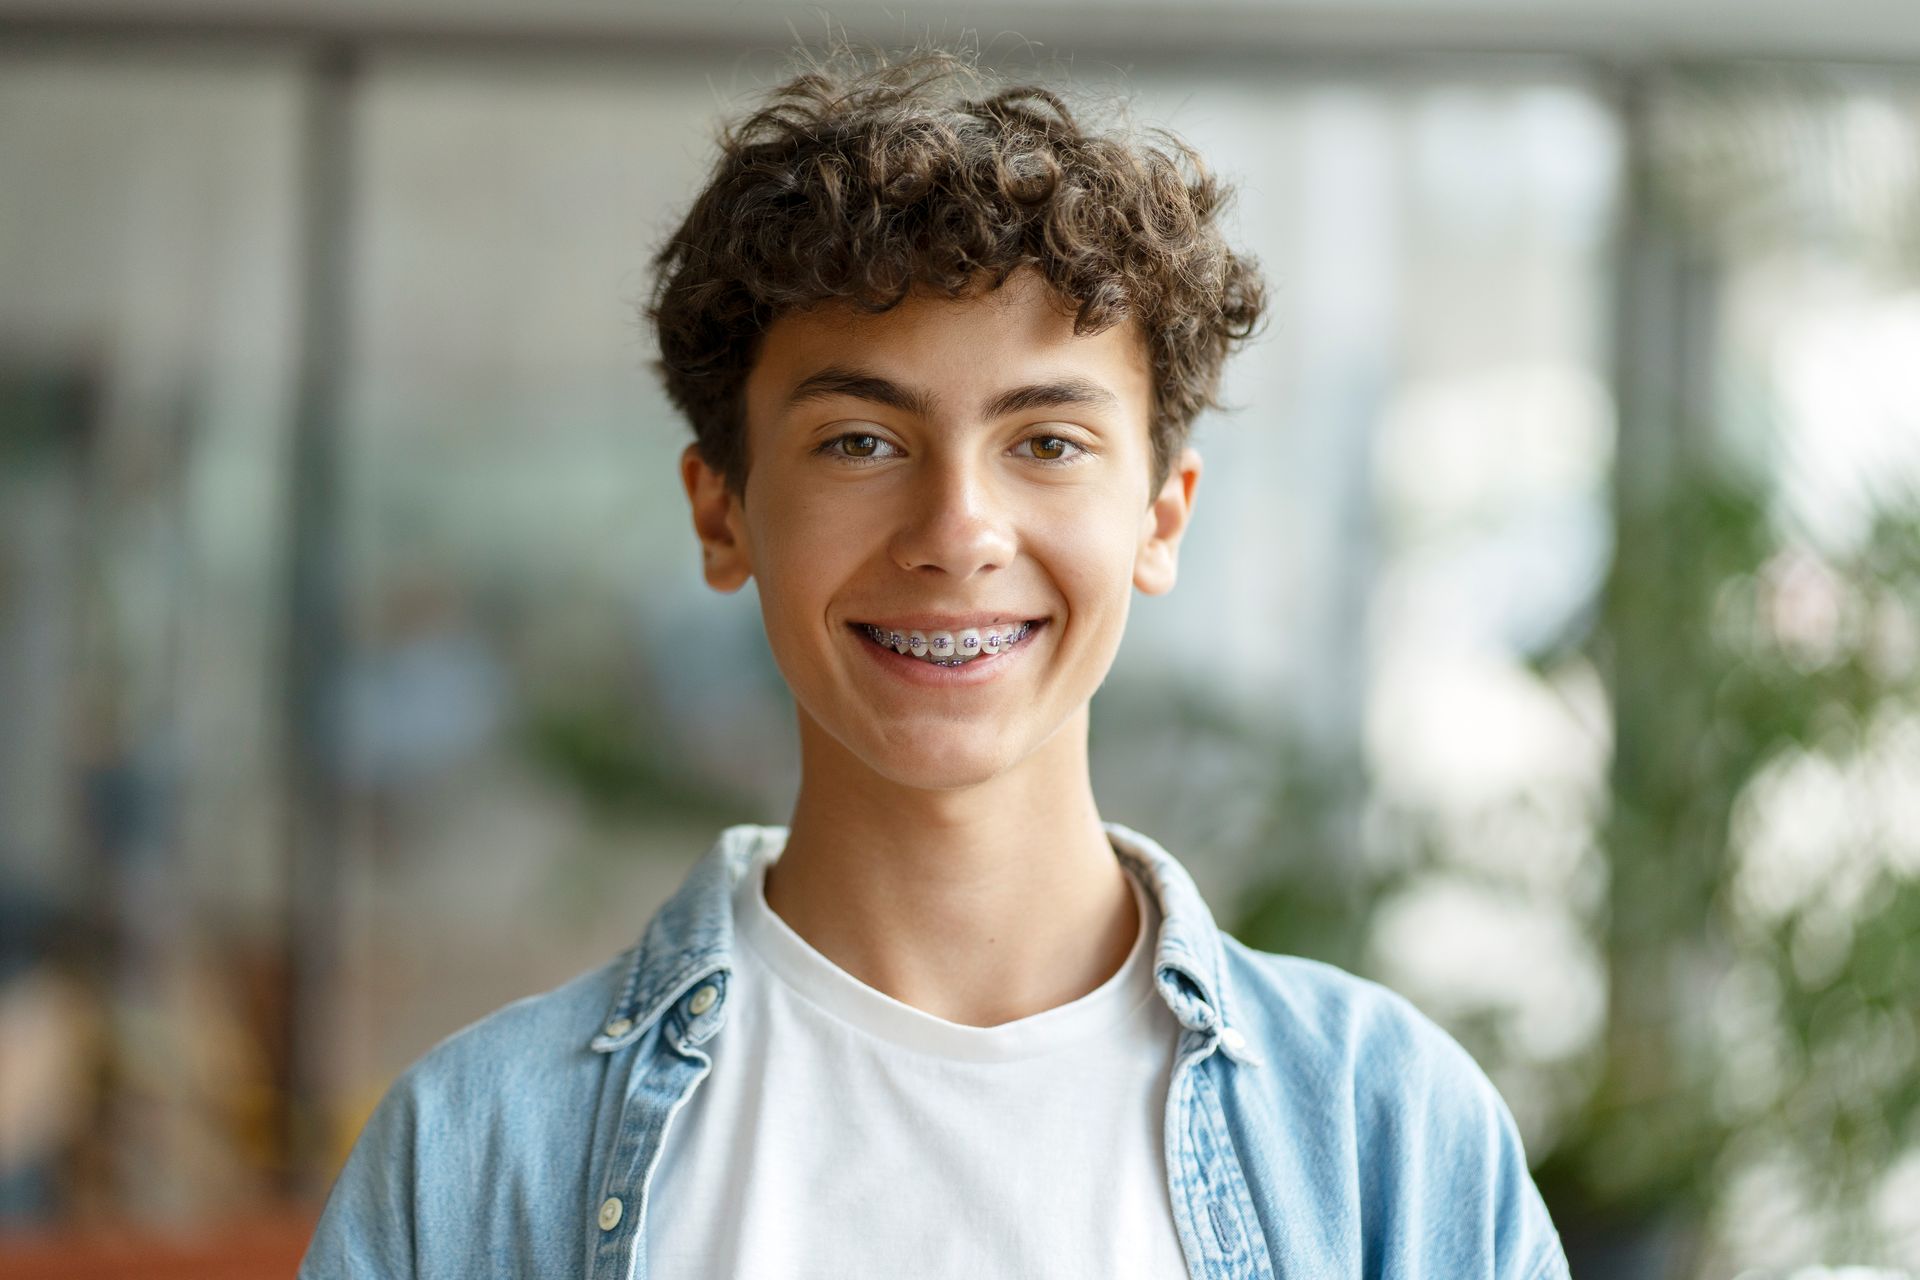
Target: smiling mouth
941, 648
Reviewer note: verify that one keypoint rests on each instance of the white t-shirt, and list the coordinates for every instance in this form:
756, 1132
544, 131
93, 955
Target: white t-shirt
844, 1134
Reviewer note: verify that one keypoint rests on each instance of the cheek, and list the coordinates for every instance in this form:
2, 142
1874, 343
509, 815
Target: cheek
1091, 563
803, 552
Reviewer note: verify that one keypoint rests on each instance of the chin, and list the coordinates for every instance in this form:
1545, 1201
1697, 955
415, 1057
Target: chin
947, 775
930, 766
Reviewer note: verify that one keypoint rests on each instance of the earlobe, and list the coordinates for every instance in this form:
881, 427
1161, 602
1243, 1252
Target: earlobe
723, 554
1156, 562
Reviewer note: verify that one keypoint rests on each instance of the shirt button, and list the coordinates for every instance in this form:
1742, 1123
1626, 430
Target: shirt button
617, 1028
1231, 1037
610, 1213
703, 1000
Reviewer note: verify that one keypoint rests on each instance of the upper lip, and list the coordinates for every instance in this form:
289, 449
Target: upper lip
947, 621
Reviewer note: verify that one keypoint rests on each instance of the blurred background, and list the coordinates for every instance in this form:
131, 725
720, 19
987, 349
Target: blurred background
1547, 645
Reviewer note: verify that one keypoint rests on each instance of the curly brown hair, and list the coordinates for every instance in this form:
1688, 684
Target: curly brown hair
862, 178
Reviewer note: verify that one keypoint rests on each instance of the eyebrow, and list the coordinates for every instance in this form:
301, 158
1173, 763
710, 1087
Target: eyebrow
841, 380
1064, 392
838, 380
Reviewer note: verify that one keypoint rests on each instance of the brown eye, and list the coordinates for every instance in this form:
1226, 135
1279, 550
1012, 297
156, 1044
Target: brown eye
1051, 449
856, 446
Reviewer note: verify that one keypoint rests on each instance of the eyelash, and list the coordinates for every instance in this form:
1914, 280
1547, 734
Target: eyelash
826, 448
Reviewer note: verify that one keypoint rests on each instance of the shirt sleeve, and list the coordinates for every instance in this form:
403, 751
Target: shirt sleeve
1524, 1234
1452, 1166
367, 1227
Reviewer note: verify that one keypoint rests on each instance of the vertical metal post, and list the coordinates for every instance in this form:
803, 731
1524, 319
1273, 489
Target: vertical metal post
1661, 874
1664, 318
315, 643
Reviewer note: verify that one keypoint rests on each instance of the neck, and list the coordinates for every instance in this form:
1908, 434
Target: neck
979, 905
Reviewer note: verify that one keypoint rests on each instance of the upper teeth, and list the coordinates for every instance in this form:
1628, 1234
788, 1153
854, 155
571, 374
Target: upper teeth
951, 647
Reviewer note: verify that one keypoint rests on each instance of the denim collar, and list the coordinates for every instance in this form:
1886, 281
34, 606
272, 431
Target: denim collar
691, 938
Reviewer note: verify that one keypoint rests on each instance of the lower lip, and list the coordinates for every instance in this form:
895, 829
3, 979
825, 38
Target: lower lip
988, 666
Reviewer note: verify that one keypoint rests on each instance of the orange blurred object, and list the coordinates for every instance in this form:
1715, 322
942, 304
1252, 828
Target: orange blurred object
262, 1247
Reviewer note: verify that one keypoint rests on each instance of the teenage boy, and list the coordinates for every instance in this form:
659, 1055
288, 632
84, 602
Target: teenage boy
941, 349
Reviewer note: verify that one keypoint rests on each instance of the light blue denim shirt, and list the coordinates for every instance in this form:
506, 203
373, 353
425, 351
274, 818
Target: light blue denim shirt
1316, 1125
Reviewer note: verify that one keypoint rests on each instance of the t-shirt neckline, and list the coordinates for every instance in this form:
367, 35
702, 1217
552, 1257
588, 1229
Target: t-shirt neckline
824, 984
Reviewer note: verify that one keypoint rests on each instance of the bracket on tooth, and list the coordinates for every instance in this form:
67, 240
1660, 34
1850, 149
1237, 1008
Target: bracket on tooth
953, 651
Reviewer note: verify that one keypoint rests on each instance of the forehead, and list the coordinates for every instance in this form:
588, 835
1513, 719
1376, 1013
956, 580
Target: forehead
958, 350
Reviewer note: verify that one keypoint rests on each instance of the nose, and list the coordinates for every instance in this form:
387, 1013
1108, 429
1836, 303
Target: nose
956, 519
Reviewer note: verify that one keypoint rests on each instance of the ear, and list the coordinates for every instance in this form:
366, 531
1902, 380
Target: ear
718, 521
1156, 559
